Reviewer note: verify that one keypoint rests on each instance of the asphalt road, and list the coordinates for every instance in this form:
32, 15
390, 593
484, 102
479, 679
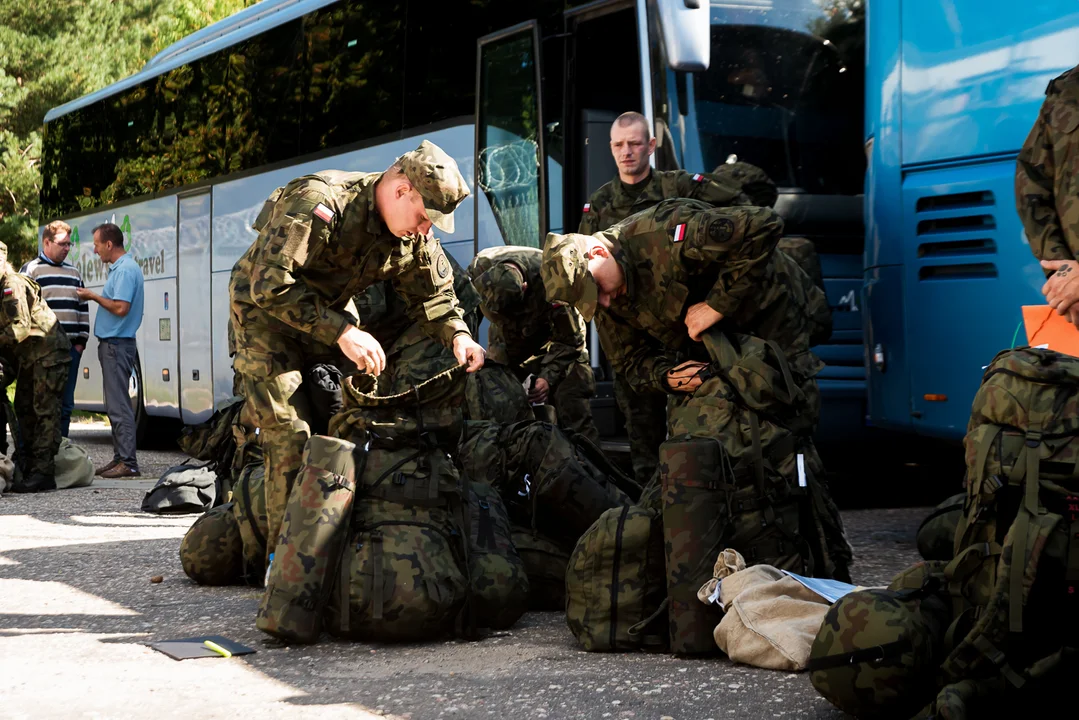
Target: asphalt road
77, 610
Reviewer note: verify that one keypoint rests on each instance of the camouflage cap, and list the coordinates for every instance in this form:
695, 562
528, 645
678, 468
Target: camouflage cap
501, 288
211, 552
435, 175
565, 273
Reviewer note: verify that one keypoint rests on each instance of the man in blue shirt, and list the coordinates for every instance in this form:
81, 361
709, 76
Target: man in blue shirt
118, 318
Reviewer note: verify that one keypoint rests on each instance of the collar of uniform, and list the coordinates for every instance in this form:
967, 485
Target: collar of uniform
635, 190
628, 273
375, 226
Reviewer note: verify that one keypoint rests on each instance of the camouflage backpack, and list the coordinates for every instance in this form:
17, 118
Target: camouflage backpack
494, 393
498, 576
211, 552
615, 584
730, 479
936, 533
1015, 574
249, 507
545, 564
547, 482
877, 651
214, 442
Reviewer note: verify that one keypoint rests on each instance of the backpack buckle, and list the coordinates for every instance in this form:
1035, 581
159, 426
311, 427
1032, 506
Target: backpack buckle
1034, 438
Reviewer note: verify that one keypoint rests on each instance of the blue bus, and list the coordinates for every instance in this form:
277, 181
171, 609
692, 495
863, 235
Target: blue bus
183, 153
952, 90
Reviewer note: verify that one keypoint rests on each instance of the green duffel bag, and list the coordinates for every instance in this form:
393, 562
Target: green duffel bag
211, 552
74, 468
616, 588
497, 573
182, 489
545, 564
936, 534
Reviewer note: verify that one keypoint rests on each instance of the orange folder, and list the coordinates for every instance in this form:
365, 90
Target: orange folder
1045, 327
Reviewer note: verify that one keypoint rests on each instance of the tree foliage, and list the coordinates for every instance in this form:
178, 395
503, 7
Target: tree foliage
54, 51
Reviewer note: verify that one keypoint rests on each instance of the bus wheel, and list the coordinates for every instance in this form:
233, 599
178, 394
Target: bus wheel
134, 394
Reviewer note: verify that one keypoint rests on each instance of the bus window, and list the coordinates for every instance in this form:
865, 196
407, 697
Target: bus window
508, 148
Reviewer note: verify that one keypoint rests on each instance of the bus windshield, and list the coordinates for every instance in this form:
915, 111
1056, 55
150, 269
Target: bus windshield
784, 91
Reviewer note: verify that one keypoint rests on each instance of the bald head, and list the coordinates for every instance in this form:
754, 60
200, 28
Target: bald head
631, 145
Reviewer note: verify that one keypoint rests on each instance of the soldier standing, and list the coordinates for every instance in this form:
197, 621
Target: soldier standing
535, 336
322, 239
1047, 192
32, 340
664, 276
637, 188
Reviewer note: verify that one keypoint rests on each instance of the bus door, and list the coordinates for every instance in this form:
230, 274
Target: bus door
196, 377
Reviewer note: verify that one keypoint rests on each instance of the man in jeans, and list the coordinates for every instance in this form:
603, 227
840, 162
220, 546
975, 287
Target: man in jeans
59, 282
118, 318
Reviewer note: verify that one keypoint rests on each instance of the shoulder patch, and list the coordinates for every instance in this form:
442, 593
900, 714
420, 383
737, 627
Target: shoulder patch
679, 233
442, 266
323, 213
588, 207
697, 177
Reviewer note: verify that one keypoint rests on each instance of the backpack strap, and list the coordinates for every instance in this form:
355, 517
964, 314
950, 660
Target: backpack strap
1029, 507
377, 599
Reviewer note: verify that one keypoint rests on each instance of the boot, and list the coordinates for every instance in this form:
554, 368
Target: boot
38, 482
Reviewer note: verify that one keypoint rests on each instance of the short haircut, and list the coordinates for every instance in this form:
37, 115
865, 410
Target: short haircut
55, 228
601, 239
630, 118
110, 233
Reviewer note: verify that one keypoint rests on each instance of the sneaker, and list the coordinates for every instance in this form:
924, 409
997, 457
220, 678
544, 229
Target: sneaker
105, 468
120, 470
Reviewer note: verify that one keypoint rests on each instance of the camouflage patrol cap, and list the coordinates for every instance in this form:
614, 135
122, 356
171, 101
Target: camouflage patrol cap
435, 176
877, 652
212, 551
565, 273
501, 289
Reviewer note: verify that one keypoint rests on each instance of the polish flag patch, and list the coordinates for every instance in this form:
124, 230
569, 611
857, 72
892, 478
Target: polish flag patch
7, 292
680, 233
587, 207
323, 213
698, 178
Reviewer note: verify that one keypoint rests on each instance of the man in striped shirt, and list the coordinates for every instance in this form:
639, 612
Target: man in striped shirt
59, 282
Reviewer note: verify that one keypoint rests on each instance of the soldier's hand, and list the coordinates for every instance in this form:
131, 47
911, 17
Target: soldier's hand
1073, 315
540, 390
699, 318
468, 352
685, 377
1061, 290
363, 349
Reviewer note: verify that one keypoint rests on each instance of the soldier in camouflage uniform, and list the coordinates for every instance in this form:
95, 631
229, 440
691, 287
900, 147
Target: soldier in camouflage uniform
667, 274
639, 187
322, 239
1047, 192
32, 340
534, 336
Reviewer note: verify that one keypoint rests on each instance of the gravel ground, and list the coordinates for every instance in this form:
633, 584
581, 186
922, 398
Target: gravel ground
77, 609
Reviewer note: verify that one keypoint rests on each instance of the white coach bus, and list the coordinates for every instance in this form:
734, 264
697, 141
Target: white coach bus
182, 154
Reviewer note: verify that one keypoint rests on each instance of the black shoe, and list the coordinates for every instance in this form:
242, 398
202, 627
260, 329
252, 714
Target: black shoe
36, 483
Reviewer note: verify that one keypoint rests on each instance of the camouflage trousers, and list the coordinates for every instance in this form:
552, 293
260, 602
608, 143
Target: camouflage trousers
572, 400
646, 427
39, 394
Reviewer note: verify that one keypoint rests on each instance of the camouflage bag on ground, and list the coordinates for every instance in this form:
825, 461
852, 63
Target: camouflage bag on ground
405, 573
1014, 581
615, 585
182, 489
249, 507
494, 393
544, 478
211, 552
497, 573
936, 534
877, 651
545, 564
313, 534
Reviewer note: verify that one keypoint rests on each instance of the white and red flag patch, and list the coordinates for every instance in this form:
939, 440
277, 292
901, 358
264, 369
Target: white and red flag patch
698, 178
680, 233
7, 292
323, 213
587, 207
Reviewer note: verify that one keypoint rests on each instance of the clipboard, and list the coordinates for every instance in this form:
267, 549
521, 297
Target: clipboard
188, 648
1045, 327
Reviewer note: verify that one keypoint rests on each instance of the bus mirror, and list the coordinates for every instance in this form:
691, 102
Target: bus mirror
686, 30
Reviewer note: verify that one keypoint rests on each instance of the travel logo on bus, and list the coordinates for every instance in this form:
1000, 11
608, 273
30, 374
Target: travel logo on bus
93, 270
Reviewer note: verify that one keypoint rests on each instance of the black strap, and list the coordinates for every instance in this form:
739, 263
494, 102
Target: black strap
876, 653
251, 516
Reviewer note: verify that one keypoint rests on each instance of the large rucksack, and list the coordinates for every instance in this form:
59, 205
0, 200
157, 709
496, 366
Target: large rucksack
545, 565
182, 489
494, 393
615, 584
936, 533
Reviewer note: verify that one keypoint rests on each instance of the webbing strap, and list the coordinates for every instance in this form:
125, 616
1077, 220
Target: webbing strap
344, 581
998, 658
1027, 509
758, 456
638, 628
877, 653
982, 457
784, 368
377, 600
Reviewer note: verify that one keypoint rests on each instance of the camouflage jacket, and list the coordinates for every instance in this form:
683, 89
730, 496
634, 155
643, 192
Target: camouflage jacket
616, 201
1047, 174
682, 252
29, 331
542, 337
383, 312
321, 241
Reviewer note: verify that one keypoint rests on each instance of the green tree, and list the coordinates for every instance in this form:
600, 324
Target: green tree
54, 51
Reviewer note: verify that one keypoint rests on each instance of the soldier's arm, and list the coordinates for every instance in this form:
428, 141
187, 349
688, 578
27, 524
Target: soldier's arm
634, 354
291, 236
1035, 174
737, 244
427, 288
720, 192
17, 311
567, 343
590, 215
